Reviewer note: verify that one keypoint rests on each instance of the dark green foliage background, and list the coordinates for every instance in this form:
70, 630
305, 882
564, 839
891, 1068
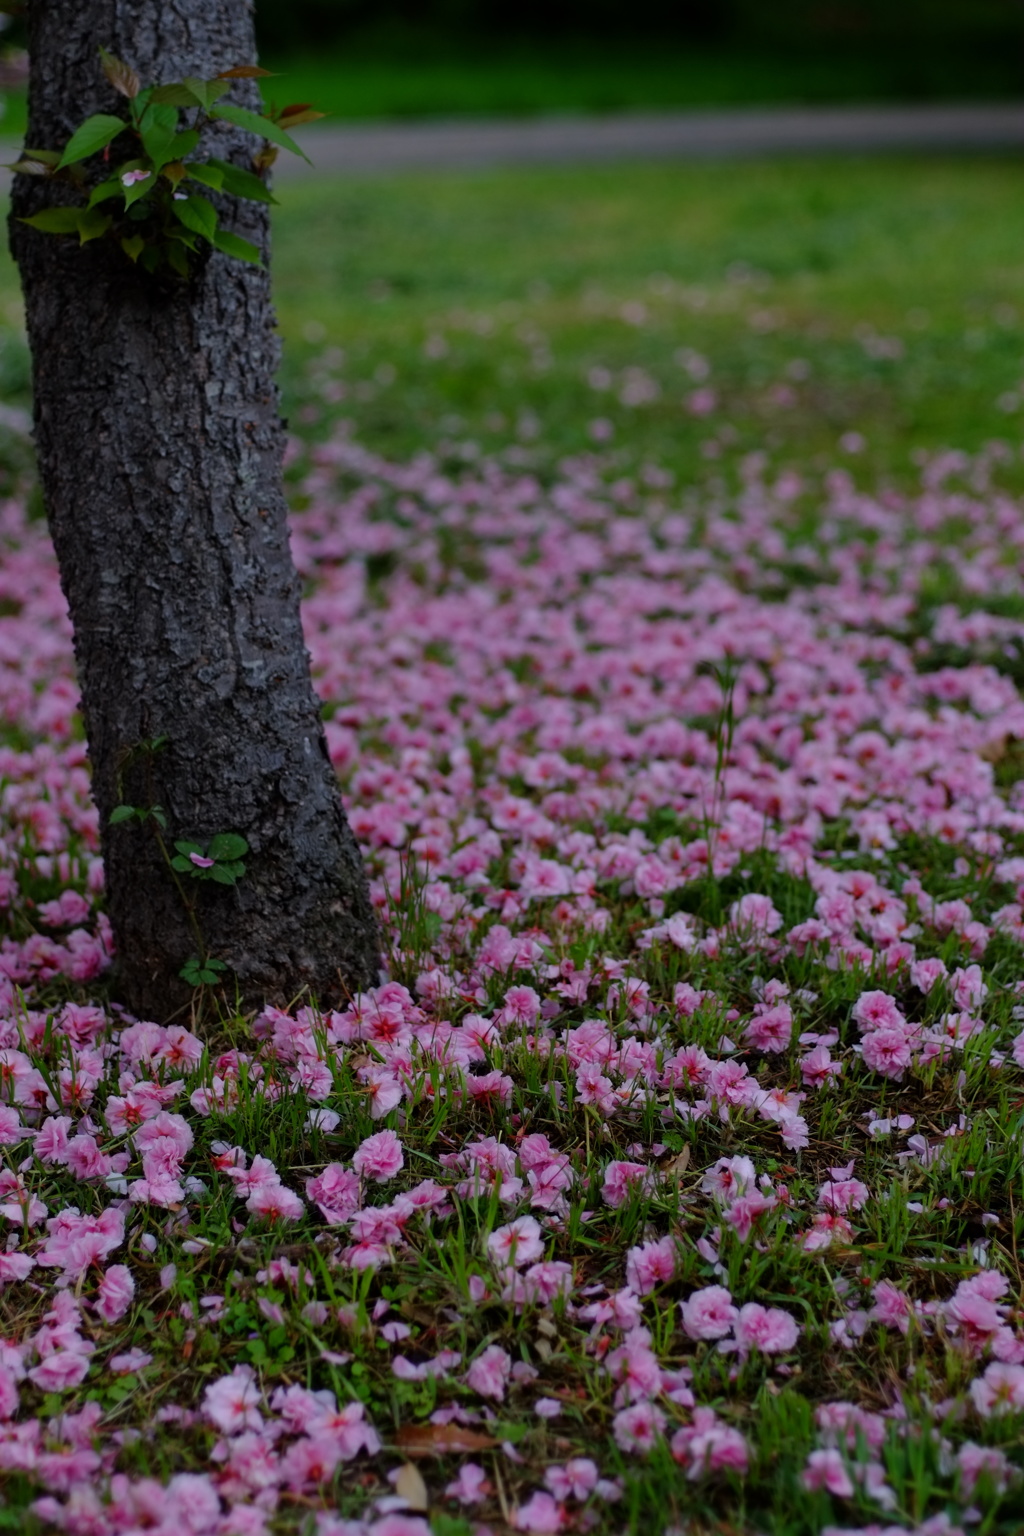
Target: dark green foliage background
787, 22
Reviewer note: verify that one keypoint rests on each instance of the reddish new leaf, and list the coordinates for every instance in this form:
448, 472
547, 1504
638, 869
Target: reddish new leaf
294, 117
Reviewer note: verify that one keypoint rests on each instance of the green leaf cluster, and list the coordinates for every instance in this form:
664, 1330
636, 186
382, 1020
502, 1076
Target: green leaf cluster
151, 201
227, 851
138, 813
202, 973
86, 223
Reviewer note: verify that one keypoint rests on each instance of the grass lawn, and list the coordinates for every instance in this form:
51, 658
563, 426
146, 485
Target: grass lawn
693, 312
692, 309
662, 536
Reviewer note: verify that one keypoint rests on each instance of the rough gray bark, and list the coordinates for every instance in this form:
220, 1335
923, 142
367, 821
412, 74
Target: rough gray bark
159, 449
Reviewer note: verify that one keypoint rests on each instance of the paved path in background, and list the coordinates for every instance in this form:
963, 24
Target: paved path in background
373, 148
466, 143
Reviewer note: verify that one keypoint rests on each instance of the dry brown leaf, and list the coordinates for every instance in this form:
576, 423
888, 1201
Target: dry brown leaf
441, 1440
409, 1485
29, 167
415, 1313
676, 1166
995, 751
121, 75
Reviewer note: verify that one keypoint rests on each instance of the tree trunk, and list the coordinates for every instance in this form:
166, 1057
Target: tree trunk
160, 447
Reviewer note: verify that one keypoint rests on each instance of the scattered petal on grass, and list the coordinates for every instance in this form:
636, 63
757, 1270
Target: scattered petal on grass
695, 827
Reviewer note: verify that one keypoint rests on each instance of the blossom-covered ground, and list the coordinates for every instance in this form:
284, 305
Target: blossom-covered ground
671, 1178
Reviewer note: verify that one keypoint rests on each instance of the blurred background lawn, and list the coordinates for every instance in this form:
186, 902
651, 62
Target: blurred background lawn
818, 311
848, 310
673, 313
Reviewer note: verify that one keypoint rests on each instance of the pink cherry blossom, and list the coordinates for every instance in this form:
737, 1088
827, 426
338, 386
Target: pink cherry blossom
379, 1157
115, 1293
729, 1178
745, 1211
877, 1010
398, 1525
827, 1469
635, 1366
651, 1264
891, 1308
471, 1486
887, 1052
577, 1479
638, 1429
232, 1402
541, 1515
771, 1330
843, 1195
335, 1191
975, 1460
131, 1361
488, 1375
756, 915
275, 1203
708, 1313
708, 1446
817, 1068
61, 1370
76, 1242
621, 1179
518, 1243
